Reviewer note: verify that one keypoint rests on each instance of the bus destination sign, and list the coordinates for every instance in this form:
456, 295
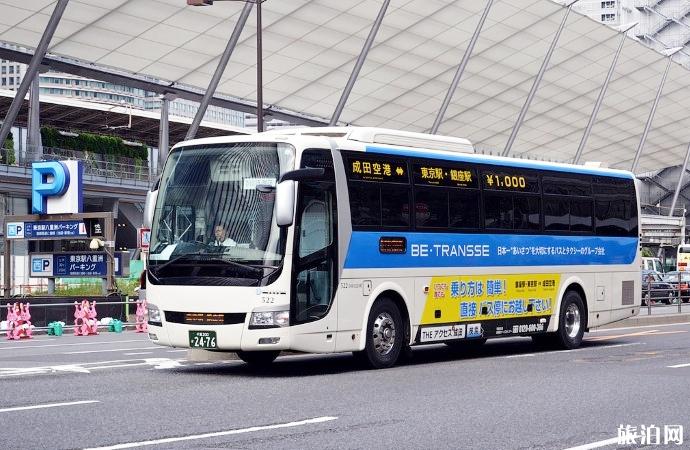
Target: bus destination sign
377, 170
441, 175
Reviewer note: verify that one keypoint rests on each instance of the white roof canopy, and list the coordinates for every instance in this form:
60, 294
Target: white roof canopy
310, 48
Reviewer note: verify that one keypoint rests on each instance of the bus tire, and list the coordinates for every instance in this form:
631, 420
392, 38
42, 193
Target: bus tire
571, 321
385, 335
258, 358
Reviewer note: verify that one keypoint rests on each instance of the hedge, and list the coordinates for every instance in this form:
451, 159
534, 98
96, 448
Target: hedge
9, 150
89, 142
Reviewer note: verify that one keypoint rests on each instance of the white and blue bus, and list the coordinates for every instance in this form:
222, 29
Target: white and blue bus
370, 241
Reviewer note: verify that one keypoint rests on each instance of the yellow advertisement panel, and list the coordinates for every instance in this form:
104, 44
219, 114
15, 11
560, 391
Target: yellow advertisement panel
489, 297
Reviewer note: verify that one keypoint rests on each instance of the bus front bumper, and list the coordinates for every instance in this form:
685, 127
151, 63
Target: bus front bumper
227, 337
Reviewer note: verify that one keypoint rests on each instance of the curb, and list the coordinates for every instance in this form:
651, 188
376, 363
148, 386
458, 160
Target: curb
659, 319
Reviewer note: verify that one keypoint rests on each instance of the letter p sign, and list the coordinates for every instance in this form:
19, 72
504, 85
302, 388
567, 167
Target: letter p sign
51, 190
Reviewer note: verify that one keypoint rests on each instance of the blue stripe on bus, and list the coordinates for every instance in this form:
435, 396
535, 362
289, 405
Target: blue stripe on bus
485, 250
520, 163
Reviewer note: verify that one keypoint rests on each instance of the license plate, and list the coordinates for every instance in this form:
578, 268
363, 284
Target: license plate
202, 339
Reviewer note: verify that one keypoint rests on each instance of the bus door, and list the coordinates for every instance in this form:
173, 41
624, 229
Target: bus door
315, 254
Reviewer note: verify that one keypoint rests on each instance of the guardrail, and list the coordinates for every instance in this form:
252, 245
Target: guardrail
674, 297
63, 310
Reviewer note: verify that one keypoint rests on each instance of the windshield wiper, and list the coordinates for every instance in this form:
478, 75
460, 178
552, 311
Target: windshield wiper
209, 258
173, 260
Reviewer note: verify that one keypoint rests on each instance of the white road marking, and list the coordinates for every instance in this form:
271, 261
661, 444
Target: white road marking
48, 405
581, 349
599, 444
175, 351
217, 434
158, 363
138, 353
69, 345
678, 366
81, 352
614, 330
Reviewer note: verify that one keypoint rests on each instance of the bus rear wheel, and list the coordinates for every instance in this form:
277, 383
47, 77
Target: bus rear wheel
571, 321
258, 359
384, 338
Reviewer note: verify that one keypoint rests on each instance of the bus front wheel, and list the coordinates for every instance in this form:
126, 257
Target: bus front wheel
258, 359
385, 334
571, 321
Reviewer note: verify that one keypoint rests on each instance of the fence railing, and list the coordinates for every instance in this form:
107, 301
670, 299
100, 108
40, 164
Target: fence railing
668, 293
95, 164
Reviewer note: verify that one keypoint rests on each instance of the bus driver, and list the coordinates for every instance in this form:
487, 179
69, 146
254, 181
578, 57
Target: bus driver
220, 237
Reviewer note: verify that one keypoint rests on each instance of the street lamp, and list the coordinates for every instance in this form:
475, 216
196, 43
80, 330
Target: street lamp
259, 56
97, 244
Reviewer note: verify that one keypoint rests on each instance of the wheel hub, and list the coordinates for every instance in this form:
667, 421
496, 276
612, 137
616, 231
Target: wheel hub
383, 333
572, 321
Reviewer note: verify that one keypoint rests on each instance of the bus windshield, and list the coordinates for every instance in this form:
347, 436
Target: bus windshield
213, 222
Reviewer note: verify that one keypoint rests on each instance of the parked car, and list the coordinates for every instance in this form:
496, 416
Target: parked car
679, 280
654, 288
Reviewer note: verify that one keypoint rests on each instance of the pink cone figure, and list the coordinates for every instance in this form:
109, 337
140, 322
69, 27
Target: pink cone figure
12, 318
18, 321
92, 319
85, 320
141, 325
79, 319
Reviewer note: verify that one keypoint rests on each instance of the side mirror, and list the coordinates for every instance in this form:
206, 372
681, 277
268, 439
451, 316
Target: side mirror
285, 203
304, 175
150, 207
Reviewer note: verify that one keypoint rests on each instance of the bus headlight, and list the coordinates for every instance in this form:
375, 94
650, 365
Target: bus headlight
272, 319
154, 314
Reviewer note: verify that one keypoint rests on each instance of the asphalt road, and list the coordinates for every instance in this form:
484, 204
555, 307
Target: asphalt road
511, 395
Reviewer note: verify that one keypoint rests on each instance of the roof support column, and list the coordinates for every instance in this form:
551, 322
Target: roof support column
259, 70
163, 132
32, 69
222, 64
461, 69
359, 63
537, 80
680, 184
34, 144
648, 125
600, 99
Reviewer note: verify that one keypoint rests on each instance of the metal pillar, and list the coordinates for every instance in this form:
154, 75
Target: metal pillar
680, 183
461, 69
259, 71
359, 63
535, 85
35, 149
7, 272
648, 125
600, 99
222, 64
163, 132
32, 69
